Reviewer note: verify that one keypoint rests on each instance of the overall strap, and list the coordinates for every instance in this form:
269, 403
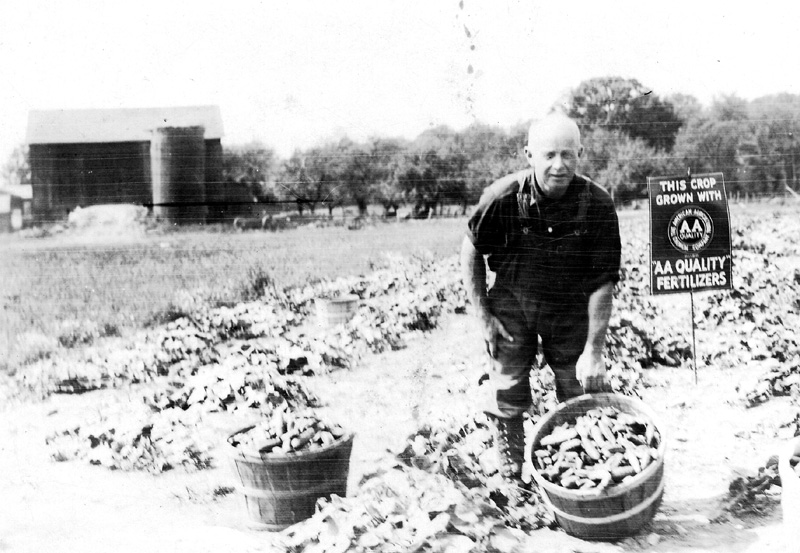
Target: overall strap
523, 200
584, 199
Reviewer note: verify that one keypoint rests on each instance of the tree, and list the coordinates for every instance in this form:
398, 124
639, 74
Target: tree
313, 177
388, 163
729, 107
323, 171
358, 173
389, 196
713, 142
621, 163
448, 164
344, 171
436, 170
419, 184
687, 107
492, 153
773, 152
251, 165
710, 146
621, 104
17, 169
292, 181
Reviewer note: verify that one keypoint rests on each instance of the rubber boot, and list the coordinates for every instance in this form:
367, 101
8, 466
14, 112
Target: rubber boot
511, 442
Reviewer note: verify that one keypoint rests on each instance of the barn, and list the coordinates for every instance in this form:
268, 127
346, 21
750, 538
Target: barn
168, 158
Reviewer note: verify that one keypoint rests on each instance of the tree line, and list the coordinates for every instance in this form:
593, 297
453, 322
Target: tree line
439, 167
628, 131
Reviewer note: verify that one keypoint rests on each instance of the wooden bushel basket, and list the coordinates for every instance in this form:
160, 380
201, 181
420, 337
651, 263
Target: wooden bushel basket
336, 311
282, 490
618, 511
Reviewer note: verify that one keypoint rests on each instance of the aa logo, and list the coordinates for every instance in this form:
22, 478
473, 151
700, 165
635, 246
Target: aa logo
690, 230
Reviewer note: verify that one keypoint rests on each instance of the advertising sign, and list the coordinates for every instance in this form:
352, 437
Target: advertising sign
690, 236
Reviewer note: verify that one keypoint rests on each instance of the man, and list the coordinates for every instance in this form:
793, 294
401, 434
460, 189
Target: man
551, 238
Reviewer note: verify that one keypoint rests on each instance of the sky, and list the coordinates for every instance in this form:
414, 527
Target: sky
294, 74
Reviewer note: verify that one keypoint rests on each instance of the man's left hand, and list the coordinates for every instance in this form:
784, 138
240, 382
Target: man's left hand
591, 371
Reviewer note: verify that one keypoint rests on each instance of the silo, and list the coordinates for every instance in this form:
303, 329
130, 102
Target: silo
215, 188
177, 165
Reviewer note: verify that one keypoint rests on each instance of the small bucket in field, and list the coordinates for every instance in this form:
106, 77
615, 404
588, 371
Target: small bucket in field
336, 311
615, 512
281, 490
790, 488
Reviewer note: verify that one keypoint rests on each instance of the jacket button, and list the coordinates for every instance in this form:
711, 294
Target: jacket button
549, 229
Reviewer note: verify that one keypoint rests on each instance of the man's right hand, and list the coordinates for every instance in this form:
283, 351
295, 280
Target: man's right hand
492, 328
474, 269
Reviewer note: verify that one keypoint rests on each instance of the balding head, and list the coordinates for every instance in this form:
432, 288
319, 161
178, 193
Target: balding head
553, 150
554, 125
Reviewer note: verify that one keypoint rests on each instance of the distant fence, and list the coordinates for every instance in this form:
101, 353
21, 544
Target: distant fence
276, 214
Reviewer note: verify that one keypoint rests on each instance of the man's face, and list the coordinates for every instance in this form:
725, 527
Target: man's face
554, 155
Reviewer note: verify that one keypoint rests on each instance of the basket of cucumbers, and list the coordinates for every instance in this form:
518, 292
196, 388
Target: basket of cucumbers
287, 462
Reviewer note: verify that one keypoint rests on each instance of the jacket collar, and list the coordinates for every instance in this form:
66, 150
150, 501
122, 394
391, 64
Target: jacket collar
531, 187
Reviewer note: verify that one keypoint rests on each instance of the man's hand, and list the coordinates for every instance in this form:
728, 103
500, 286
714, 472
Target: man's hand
591, 371
492, 328
591, 367
473, 267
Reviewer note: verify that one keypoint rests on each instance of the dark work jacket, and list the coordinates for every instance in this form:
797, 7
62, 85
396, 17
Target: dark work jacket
560, 249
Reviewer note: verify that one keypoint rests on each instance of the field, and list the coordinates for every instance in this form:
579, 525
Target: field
77, 287
133, 358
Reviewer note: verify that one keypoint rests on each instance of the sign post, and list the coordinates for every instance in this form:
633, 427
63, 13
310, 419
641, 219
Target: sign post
690, 237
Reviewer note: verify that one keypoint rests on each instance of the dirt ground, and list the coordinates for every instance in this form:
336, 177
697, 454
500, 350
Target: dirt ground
73, 506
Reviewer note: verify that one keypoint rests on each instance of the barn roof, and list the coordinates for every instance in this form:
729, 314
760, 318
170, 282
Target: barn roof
74, 126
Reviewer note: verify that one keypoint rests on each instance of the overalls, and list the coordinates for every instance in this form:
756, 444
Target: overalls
536, 294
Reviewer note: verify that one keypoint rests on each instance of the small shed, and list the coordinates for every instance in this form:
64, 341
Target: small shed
80, 158
15, 207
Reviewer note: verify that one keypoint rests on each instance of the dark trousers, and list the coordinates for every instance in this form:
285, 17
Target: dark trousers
561, 321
